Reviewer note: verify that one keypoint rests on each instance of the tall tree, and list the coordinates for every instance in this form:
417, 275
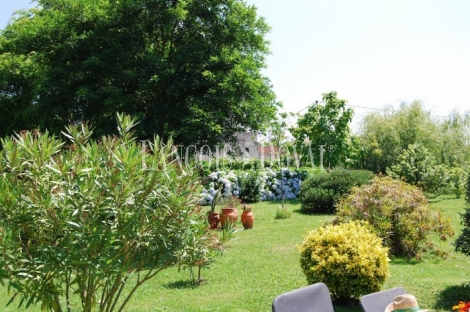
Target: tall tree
325, 127
187, 69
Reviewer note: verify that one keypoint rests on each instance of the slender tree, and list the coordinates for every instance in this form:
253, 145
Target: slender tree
326, 127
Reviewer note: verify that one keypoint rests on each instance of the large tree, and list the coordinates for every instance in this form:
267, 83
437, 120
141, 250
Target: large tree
187, 69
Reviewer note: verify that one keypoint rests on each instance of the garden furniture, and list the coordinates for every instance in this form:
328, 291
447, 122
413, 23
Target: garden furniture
312, 298
378, 301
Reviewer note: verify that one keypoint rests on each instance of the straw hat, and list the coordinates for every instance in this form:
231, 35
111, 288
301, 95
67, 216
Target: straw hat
404, 303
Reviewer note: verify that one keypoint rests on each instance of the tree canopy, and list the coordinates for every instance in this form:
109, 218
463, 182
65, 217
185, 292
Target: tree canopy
326, 126
387, 134
186, 69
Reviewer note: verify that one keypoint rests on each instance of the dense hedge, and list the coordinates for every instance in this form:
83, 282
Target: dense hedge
463, 241
320, 192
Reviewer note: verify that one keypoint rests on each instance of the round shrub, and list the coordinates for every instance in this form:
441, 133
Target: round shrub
400, 214
349, 258
320, 192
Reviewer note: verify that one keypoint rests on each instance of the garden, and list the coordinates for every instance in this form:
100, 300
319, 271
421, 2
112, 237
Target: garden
102, 214
106, 225
263, 262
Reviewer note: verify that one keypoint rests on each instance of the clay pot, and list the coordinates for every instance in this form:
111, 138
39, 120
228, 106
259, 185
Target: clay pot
228, 214
214, 219
248, 219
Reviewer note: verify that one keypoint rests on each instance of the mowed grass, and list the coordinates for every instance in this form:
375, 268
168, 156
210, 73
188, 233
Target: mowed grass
263, 262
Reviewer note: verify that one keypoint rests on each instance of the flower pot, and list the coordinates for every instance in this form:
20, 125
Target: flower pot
248, 218
228, 214
214, 219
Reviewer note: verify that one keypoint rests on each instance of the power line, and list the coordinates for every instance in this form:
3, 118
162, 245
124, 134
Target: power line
355, 106
363, 107
316, 103
374, 108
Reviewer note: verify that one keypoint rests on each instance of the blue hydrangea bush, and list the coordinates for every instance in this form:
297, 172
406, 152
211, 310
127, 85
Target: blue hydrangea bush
273, 184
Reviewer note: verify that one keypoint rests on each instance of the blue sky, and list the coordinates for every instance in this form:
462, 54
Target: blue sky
372, 52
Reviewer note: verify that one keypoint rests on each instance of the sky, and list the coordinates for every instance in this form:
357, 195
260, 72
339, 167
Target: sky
373, 53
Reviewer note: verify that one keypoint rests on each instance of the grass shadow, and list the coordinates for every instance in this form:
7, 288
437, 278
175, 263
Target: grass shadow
182, 284
310, 213
403, 260
451, 295
432, 199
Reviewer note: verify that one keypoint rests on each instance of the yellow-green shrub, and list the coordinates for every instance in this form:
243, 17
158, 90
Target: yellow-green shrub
349, 258
400, 214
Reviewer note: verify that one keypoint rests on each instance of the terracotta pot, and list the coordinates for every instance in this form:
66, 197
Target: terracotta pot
230, 214
248, 218
214, 219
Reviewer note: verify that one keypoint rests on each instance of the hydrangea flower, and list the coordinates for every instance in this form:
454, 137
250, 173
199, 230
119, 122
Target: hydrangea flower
283, 183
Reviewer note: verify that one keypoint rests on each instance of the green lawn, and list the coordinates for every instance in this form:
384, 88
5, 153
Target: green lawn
263, 262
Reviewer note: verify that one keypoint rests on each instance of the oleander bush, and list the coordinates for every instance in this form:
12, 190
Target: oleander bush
94, 220
320, 192
462, 244
400, 214
349, 258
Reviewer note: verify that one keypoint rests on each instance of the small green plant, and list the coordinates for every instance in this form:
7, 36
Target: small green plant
216, 199
457, 181
249, 187
349, 258
320, 192
228, 231
283, 213
400, 214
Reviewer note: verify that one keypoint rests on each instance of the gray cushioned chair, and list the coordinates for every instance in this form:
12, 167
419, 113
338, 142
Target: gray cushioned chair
312, 298
377, 302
